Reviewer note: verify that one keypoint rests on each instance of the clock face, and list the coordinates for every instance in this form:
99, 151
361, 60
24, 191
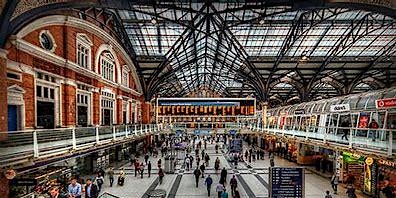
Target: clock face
10, 174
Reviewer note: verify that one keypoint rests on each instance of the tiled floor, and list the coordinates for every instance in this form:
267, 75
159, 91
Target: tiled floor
182, 183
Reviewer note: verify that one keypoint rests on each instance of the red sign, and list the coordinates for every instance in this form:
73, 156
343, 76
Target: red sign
386, 103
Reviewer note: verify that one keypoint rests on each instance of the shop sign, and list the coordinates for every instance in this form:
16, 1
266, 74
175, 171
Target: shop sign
24, 182
352, 157
340, 108
299, 111
363, 120
387, 163
385, 103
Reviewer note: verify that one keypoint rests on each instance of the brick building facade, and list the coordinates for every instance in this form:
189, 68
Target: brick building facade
64, 71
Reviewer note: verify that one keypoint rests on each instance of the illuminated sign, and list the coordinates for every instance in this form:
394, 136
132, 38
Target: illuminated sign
387, 163
340, 108
385, 103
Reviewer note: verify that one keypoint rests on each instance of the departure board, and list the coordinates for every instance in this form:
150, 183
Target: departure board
286, 182
206, 107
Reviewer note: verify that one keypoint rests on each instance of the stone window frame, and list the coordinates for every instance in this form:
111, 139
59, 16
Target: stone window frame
48, 33
84, 41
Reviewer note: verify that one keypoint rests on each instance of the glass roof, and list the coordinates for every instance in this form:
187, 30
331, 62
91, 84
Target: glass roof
228, 47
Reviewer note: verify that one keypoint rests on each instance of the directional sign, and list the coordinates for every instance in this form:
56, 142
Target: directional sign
286, 182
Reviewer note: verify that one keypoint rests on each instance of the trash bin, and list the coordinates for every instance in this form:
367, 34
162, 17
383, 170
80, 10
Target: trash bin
169, 164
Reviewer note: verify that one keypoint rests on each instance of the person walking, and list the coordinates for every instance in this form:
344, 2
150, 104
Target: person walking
345, 125
203, 154
197, 173
351, 191
121, 177
141, 168
99, 181
202, 168
207, 159
137, 168
91, 190
219, 189
159, 163
74, 189
334, 182
272, 160
161, 175
187, 163
110, 173
233, 184
149, 168
328, 194
146, 157
223, 176
224, 194
191, 161
208, 182
217, 164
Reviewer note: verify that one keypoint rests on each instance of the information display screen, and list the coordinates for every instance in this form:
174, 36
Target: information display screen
236, 146
206, 106
286, 182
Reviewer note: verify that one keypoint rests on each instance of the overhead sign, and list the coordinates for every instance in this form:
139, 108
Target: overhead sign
340, 108
286, 182
24, 182
299, 111
385, 103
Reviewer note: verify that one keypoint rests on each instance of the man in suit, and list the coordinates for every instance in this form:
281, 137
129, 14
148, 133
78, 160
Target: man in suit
91, 190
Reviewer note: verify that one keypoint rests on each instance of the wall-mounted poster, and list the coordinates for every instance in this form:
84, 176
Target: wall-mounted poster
363, 120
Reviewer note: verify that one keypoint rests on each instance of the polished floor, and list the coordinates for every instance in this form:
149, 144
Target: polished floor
252, 182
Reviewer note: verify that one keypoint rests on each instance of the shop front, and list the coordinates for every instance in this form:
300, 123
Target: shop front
322, 158
386, 178
352, 169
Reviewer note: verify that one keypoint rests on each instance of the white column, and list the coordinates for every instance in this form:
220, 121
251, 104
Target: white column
145, 128
97, 134
114, 133
35, 145
74, 143
126, 131
135, 132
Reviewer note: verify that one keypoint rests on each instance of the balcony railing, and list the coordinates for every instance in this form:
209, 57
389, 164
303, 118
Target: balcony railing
19, 146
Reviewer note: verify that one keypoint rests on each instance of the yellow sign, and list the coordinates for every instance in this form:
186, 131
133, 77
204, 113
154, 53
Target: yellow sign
369, 161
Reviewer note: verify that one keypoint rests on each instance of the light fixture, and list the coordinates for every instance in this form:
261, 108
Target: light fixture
153, 21
304, 56
261, 22
291, 74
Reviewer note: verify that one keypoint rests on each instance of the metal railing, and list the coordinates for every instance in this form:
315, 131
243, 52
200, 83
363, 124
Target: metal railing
375, 140
17, 146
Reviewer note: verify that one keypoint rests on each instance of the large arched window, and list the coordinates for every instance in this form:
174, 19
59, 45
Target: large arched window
107, 66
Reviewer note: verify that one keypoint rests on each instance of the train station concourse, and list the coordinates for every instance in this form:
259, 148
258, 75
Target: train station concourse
197, 98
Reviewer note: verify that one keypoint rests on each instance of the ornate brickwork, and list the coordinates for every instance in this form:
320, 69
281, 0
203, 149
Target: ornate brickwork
26, 5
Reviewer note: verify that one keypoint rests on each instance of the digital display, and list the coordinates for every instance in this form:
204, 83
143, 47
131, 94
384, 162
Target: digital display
286, 182
206, 106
